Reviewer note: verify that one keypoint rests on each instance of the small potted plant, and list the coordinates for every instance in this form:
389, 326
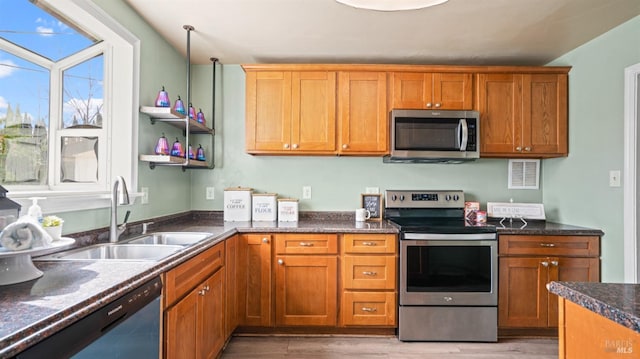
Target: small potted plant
53, 226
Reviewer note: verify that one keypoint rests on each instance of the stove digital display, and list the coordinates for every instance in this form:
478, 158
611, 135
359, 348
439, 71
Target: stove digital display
424, 197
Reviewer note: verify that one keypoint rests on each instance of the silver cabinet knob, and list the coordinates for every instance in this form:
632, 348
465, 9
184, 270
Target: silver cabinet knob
438, 105
295, 146
286, 145
428, 104
519, 149
265, 240
280, 261
345, 146
554, 263
545, 264
527, 149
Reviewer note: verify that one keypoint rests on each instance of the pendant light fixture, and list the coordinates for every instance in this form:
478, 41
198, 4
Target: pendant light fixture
391, 5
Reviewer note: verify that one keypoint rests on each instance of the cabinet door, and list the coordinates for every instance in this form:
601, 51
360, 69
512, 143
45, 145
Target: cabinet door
211, 332
411, 90
268, 111
570, 270
545, 114
362, 113
254, 269
453, 91
500, 106
232, 307
313, 112
522, 298
306, 290
181, 334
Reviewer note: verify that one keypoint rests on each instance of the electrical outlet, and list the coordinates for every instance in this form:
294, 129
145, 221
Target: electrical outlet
614, 178
306, 192
372, 190
211, 193
145, 195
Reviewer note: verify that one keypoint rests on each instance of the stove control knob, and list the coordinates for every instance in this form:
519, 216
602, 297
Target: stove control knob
394, 197
456, 197
447, 197
402, 197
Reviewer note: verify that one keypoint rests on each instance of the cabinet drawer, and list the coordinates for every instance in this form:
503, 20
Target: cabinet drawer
183, 278
369, 243
574, 246
307, 244
369, 272
369, 308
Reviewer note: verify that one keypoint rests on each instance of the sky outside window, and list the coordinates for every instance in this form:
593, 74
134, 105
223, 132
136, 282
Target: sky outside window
26, 85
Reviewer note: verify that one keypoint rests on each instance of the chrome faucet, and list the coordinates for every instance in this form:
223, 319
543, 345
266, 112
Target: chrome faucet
121, 197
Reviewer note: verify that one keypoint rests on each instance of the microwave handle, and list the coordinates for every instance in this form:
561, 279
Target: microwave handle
463, 134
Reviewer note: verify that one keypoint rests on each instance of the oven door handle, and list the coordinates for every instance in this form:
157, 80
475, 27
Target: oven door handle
449, 236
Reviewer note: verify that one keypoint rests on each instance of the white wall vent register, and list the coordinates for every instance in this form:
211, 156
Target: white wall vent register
524, 174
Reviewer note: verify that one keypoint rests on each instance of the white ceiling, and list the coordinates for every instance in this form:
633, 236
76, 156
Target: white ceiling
470, 32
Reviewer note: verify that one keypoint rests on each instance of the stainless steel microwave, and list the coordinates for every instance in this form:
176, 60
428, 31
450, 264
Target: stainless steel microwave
434, 136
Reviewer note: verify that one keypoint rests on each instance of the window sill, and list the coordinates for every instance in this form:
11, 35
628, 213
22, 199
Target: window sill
59, 202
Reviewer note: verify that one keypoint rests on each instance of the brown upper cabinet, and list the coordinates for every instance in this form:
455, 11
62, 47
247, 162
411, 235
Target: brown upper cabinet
362, 113
291, 112
522, 114
431, 91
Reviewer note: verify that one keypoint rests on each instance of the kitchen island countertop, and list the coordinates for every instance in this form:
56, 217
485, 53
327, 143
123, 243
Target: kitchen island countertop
615, 301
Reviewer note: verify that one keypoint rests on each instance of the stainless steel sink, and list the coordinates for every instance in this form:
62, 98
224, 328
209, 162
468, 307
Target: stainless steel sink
114, 251
170, 238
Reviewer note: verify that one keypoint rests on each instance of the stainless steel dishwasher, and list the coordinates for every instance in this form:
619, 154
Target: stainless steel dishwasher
128, 327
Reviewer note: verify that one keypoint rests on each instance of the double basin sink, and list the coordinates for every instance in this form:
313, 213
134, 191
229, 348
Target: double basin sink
147, 247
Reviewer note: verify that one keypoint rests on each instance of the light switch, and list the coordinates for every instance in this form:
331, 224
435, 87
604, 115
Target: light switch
614, 178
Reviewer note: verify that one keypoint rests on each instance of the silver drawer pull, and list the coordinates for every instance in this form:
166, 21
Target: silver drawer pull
370, 310
547, 245
370, 244
370, 273
306, 244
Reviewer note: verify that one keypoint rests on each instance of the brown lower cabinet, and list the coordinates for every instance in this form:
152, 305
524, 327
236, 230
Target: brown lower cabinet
288, 280
194, 307
528, 263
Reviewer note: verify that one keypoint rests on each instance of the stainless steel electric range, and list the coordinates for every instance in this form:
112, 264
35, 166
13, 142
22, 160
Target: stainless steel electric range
448, 269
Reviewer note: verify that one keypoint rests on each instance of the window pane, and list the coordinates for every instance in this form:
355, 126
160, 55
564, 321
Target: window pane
24, 119
39, 31
83, 95
79, 159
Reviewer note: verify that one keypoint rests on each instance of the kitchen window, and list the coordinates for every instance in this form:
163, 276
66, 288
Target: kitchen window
68, 103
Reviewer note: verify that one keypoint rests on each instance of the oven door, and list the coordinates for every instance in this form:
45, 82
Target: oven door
449, 270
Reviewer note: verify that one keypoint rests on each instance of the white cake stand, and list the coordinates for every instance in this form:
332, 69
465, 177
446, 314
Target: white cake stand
17, 266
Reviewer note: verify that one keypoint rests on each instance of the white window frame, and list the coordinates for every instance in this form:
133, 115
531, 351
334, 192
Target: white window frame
121, 51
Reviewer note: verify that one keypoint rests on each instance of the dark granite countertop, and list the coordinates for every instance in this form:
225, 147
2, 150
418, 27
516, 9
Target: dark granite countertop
533, 228
70, 290
615, 301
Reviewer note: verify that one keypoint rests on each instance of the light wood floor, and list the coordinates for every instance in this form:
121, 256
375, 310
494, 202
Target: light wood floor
275, 347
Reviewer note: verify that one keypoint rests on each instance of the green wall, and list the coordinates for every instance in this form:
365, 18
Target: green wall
577, 187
